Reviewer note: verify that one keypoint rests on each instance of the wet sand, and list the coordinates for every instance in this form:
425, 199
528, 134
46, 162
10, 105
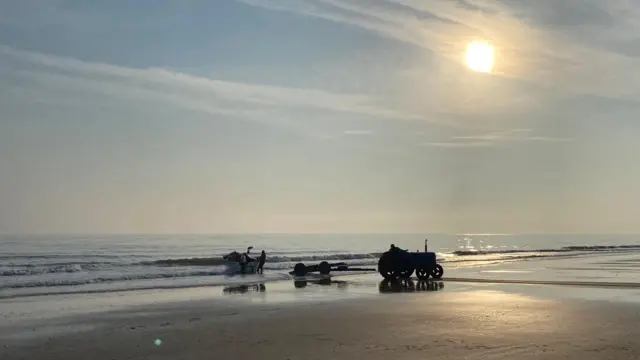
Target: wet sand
346, 319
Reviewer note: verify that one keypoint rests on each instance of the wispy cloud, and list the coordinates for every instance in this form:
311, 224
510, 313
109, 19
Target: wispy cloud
457, 145
248, 101
357, 132
579, 47
513, 135
495, 138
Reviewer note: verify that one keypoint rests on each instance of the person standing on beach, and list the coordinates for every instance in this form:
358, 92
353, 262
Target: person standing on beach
261, 260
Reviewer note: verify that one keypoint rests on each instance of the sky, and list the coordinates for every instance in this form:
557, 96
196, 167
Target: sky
318, 116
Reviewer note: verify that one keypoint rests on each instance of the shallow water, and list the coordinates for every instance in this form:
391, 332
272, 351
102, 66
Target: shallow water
76, 264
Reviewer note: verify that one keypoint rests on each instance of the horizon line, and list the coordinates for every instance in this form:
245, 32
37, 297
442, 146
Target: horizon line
422, 234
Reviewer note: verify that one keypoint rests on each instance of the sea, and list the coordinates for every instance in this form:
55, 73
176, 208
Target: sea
35, 265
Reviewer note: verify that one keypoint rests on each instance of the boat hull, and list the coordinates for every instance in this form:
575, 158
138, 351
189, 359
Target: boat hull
236, 268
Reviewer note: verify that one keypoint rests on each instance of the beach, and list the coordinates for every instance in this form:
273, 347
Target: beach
339, 318
167, 298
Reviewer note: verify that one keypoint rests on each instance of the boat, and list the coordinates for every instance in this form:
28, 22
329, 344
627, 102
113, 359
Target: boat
241, 263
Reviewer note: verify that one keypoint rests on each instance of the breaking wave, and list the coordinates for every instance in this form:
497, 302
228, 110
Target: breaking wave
560, 250
213, 261
30, 270
26, 273
113, 278
369, 257
270, 259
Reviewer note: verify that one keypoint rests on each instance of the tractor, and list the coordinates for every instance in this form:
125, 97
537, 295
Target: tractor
397, 263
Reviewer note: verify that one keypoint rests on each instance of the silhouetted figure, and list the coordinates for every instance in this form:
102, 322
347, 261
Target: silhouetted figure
249, 258
393, 248
261, 260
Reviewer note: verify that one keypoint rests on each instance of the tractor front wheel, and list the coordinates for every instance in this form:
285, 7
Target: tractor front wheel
423, 274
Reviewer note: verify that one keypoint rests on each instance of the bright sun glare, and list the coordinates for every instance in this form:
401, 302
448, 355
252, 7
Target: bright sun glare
480, 56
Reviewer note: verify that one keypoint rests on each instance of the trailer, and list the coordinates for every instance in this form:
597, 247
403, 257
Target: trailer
324, 268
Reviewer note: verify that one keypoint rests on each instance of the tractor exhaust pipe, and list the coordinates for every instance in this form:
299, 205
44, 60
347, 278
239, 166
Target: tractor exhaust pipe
426, 248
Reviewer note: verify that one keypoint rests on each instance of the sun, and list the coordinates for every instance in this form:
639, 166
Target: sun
480, 56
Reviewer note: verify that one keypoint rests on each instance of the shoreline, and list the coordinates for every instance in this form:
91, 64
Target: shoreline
461, 278
336, 288
353, 316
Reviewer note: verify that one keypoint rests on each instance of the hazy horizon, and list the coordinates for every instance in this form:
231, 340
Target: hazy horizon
318, 116
419, 235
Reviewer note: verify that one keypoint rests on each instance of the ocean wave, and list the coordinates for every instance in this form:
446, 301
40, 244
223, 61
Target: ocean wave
212, 261
282, 261
30, 270
114, 278
330, 257
270, 259
559, 250
286, 261
56, 256
600, 247
55, 268
367, 258
498, 260
61, 273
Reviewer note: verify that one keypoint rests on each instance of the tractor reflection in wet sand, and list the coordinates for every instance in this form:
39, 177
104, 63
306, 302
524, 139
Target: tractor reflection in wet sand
397, 263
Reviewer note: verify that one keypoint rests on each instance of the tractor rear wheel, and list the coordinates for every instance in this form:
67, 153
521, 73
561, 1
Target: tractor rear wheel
386, 267
437, 271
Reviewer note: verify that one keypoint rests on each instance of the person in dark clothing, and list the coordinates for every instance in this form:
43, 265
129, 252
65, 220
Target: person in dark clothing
393, 248
261, 260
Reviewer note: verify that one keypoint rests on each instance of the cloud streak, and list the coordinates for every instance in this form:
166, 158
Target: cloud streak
491, 139
513, 135
564, 47
248, 101
458, 145
356, 132
55, 78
